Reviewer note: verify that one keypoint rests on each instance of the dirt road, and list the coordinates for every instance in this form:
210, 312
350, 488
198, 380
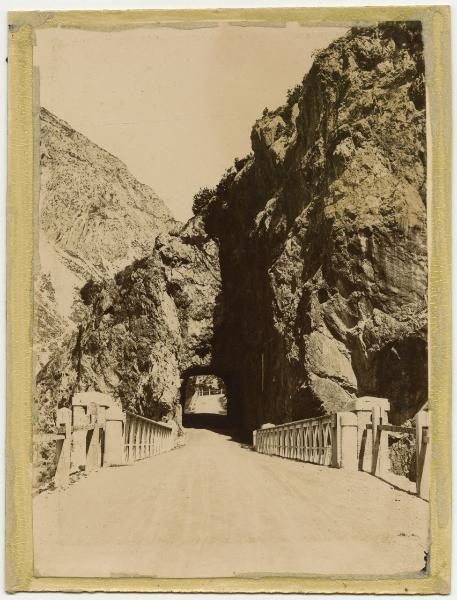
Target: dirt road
215, 508
212, 404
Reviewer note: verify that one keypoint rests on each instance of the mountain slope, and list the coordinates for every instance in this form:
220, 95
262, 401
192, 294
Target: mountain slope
95, 218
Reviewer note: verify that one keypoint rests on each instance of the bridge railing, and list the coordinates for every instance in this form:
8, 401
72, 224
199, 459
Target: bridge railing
96, 433
144, 438
355, 439
326, 440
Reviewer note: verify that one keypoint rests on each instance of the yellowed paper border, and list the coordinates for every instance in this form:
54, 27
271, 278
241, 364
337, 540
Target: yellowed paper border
19, 555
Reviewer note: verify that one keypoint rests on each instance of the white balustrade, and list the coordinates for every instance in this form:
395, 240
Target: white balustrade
355, 439
144, 438
330, 440
97, 433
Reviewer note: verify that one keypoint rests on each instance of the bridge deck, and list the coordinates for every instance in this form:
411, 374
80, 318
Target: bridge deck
214, 508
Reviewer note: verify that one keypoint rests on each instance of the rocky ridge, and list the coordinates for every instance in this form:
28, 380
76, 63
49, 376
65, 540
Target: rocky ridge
95, 218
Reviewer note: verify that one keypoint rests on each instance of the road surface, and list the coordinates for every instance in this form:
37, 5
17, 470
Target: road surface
211, 404
216, 508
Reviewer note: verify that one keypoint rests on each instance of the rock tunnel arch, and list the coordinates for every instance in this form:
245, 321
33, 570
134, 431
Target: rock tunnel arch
200, 377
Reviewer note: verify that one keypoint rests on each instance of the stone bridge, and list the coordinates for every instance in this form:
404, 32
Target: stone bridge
312, 497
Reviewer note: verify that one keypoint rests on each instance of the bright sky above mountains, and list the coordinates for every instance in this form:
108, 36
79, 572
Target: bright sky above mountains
176, 106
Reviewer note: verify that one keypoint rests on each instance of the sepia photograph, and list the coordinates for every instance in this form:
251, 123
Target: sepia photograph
232, 231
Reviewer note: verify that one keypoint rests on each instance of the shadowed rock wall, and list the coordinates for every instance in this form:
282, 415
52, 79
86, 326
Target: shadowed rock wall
322, 236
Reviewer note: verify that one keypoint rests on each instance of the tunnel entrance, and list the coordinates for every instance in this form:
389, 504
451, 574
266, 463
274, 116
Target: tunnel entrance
204, 402
205, 394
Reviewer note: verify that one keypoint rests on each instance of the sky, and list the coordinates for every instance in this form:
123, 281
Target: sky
175, 105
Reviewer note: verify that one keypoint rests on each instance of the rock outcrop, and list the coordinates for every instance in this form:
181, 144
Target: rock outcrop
302, 279
95, 218
152, 322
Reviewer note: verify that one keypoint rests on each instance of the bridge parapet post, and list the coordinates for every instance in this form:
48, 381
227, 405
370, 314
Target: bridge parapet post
80, 423
363, 409
63, 450
172, 440
89, 417
347, 443
114, 437
423, 453
94, 453
265, 445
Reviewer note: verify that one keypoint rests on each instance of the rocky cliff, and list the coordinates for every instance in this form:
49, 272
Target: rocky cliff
302, 279
95, 218
322, 236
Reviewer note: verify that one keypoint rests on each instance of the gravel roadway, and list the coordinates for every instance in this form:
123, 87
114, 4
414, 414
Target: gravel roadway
215, 508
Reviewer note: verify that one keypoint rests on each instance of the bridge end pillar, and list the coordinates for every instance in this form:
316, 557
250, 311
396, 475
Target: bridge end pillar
363, 409
423, 454
63, 451
114, 437
348, 440
78, 452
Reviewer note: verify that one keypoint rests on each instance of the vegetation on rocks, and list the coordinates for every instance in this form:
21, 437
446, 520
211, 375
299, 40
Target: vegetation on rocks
402, 454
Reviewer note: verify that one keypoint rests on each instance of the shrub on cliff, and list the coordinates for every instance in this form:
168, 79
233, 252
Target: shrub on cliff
225, 184
201, 199
402, 454
241, 162
294, 94
90, 291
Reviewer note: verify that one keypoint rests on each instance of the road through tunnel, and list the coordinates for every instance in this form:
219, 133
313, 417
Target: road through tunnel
209, 401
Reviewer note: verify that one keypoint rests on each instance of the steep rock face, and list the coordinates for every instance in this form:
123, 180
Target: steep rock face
322, 235
144, 329
302, 279
95, 218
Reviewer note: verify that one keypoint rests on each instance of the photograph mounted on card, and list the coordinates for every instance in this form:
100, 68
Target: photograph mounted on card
228, 300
